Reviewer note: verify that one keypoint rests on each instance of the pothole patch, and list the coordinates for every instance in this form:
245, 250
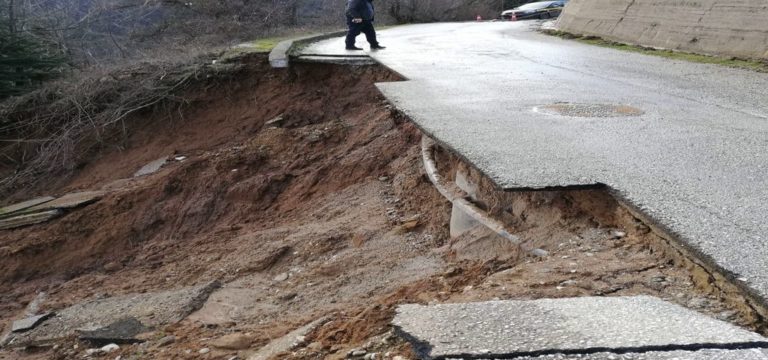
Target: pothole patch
589, 110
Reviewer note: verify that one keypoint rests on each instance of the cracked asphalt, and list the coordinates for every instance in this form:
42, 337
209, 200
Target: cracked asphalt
693, 159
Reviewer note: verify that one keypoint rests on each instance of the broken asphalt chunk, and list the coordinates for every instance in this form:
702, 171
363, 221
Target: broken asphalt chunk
29, 323
516, 329
123, 331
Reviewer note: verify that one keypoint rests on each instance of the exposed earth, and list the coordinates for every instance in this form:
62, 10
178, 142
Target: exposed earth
303, 193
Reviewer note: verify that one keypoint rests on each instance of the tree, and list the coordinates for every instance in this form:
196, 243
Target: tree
24, 61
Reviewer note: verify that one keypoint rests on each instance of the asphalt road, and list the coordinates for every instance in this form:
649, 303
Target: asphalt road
690, 149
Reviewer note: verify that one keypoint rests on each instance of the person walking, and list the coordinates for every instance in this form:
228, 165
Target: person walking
360, 15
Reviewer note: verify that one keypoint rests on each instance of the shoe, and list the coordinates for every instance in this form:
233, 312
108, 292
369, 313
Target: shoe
353, 48
378, 47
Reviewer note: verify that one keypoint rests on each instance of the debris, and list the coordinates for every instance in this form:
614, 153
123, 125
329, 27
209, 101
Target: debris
383, 178
150, 309
204, 351
287, 297
29, 219
357, 353
123, 331
29, 323
287, 342
113, 266
11, 210
540, 252
152, 167
33, 308
168, 340
236, 341
617, 234
110, 348
277, 121
180, 158
281, 277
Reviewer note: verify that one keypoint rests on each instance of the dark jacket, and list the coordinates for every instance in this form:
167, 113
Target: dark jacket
360, 9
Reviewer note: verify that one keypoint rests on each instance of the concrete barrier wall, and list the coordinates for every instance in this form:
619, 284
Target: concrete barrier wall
721, 27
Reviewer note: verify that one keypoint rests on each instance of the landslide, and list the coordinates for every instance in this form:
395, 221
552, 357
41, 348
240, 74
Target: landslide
332, 147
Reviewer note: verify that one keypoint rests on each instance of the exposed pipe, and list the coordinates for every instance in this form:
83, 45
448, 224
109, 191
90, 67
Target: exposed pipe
457, 197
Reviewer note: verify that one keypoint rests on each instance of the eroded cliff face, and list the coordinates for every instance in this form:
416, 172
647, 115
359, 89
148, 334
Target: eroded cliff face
722, 27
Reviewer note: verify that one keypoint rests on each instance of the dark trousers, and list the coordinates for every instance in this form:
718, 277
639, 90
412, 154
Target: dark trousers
365, 27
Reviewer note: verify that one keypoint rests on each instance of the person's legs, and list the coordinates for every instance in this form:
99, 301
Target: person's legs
370, 33
354, 30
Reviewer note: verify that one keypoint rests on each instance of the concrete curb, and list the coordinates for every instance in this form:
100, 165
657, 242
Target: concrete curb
280, 56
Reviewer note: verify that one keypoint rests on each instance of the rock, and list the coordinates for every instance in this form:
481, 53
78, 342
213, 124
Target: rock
204, 351
168, 340
110, 348
727, 315
91, 352
287, 297
281, 277
540, 252
617, 234
698, 303
569, 283
357, 353
383, 178
29, 323
113, 266
398, 357
370, 356
232, 342
277, 121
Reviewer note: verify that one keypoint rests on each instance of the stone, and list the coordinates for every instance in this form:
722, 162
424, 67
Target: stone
698, 303
123, 331
617, 234
204, 351
110, 348
233, 342
357, 353
277, 121
112, 266
281, 277
165, 341
29, 323
383, 178
540, 252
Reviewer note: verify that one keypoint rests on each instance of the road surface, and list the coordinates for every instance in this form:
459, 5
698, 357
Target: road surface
686, 144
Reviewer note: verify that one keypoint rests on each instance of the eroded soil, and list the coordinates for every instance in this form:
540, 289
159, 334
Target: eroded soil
325, 213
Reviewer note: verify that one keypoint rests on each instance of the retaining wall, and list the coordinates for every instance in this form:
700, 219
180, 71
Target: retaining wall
719, 27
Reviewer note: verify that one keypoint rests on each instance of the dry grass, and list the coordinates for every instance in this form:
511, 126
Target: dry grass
50, 132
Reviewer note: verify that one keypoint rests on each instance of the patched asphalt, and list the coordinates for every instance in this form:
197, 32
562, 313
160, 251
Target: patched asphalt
688, 151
